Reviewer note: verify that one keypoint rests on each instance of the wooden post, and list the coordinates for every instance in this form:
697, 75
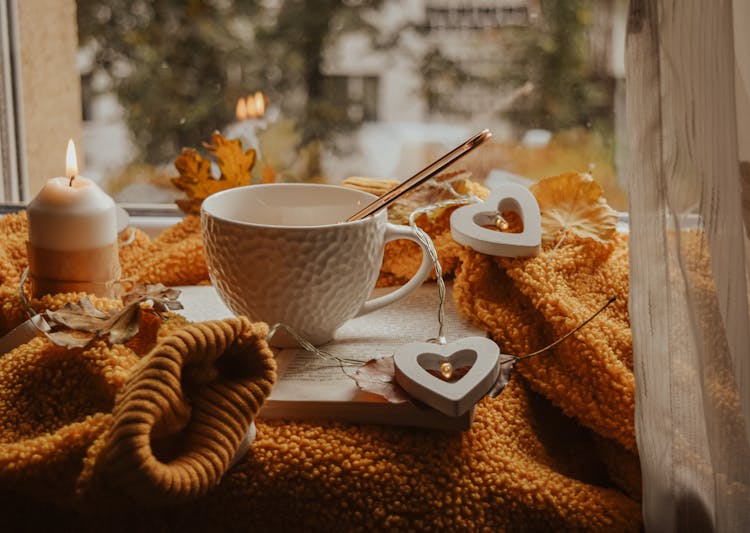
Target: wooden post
50, 87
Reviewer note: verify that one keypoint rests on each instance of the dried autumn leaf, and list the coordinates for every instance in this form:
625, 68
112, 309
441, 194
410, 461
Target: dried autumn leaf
503, 377
378, 376
81, 322
69, 340
124, 325
235, 164
79, 316
195, 171
573, 202
163, 298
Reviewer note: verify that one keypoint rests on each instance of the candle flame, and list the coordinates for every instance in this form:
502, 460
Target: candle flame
241, 109
256, 105
71, 162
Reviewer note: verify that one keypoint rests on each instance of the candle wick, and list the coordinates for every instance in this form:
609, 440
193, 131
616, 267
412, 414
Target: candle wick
70, 183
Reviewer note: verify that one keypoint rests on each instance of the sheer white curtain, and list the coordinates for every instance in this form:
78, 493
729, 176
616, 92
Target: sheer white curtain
687, 91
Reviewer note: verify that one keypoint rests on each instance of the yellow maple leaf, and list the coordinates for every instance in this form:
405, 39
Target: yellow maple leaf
195, 171
574, 202
235, 165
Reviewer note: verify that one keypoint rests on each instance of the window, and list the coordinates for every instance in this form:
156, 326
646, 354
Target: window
369, 87
357, 96
477, 15
11, 184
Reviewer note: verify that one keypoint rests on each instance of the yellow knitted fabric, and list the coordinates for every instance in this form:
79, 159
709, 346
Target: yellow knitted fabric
182, 414
528, 303
524, 465
78, 425
402, 258
162, 260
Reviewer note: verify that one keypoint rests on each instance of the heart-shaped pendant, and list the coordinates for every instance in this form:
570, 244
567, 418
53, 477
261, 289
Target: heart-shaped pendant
467, 223
414, 361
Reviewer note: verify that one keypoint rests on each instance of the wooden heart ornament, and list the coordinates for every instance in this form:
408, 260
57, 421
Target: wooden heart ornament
415, 361
467, 223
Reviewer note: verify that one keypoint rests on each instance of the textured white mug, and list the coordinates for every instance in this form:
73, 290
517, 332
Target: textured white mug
281, 253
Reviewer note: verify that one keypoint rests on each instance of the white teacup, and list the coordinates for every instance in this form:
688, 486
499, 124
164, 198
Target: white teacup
281, 253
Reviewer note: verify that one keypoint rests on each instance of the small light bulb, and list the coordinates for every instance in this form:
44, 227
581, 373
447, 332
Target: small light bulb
446, 369
501, 223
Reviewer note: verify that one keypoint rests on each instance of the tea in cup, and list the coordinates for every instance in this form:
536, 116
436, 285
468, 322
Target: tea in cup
283, 253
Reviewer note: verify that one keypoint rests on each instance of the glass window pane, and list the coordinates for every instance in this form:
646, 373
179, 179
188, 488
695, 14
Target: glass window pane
352, 87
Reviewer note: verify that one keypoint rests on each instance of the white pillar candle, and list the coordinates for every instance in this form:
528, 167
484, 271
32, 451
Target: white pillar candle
72, 215
245, 132
73, 236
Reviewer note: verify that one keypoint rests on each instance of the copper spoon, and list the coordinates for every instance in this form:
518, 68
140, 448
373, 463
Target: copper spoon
423, 175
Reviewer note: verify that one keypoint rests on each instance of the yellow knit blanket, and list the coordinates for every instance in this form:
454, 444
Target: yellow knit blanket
139, 436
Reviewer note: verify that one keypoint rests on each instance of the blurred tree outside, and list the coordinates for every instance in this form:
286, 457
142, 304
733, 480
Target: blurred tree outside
571, 88
168, 62
292, 46
178, 67
555, 54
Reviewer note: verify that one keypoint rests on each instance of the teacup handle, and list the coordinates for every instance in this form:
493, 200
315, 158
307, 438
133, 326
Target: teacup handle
395, 232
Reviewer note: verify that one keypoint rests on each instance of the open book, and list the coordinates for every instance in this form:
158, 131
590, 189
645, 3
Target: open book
310, 388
